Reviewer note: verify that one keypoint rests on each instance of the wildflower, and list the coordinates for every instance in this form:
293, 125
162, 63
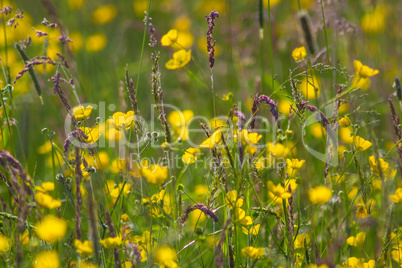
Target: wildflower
317, 130
277, 150
231, 200
374, 21
293, 165
397, 255
46, 201
310, 88
170, 38
124, 218
179, 122
313, 265
190, 156
213, 140
4, 244
247, 138
241, 218
75, 4
363, 70
284, 106
386, 170
356, 241
48, 259
346, 135
92, 134
299, 241
84, 248
252, 252
361, 83
202, 46
46, 186
166, 256
96, 42
104, 14
80, 113
278, 190
272, 3
155, 173
24, 238
344, 121
253, 231
179, 60
51, 229
116, 191
77, 41
121, 121
397, 197
45, 148
319, 195
299, 53
361, 144
111, 242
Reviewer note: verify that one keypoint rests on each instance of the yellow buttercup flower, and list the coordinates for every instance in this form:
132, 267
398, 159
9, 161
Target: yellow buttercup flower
299, 53
45, 148
247, 138
272, 3
386, 170
51, 229
357, 240
310, 87
277, 150
46, 201
319, 194
170, 38
278, 190
111, 242
252, 252
241, 218
214, 140
121, 121
48, 259
361, 83
346, 135
293, 165
299, 241
4, 244
166, 256
155, 173
75, 4
344, 121
397, 255
361, 144
397, 197
46, 186
363, 70
190, 156
92, 134
81, 113
116, 191
179, 122
231, 200
374, 22
284, 106
84, 248
96, 42
104, 14
253, 231
24, 238
77, 41
179, 60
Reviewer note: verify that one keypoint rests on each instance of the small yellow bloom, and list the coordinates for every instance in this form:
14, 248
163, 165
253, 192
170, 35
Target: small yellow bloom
179, 60
96, 42
299, 241
155, 173
361, 83
361, 144
166, 256
278, 190
77, 41
51, 229
116, 191
284, 106
252, 252
346, 135
253, 231
81, 113
397, 255
45, 148
247, 138
293, 165
124, 218
386, 170
121, 121
241, 218
277, 150
179, 121
46, 186
170, 38
310, 87
299, 53
111, 242
4, 244
24, 238
363, 70
231, 200
213, 140
356, 241
319, 194
104, 14
46, 201
84, 248
190, 156
374, 22
93, 134
397, 197
48, 259
344, 121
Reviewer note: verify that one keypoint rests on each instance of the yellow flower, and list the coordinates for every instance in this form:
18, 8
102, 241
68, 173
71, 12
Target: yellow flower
46, 201
299, 53
346, 135
104, 14
51, 229
317, 130
374, 21
397, 197
47, 259
253, 231
179, 60
24, 238
361, 144
81, 113
344, 121
310, 87
121, 121
213, 140
124, 218
247, 138
241, 218
179, 122
313, 265
397, 255
166, 256
92, 134
271, 3
293, 165
232, 200
363, 70
252, 252
319, 194
77, 41
278, 190
75, 4
190, 155
111, 242
277, 150
4, 244
84, 248
202, 45
116, 191
299, 241
284, 106
46, 186
182, 23
184, 40
155, 173
45, 148
359, 82
386, 170
356, 241
170, 38
96, 42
